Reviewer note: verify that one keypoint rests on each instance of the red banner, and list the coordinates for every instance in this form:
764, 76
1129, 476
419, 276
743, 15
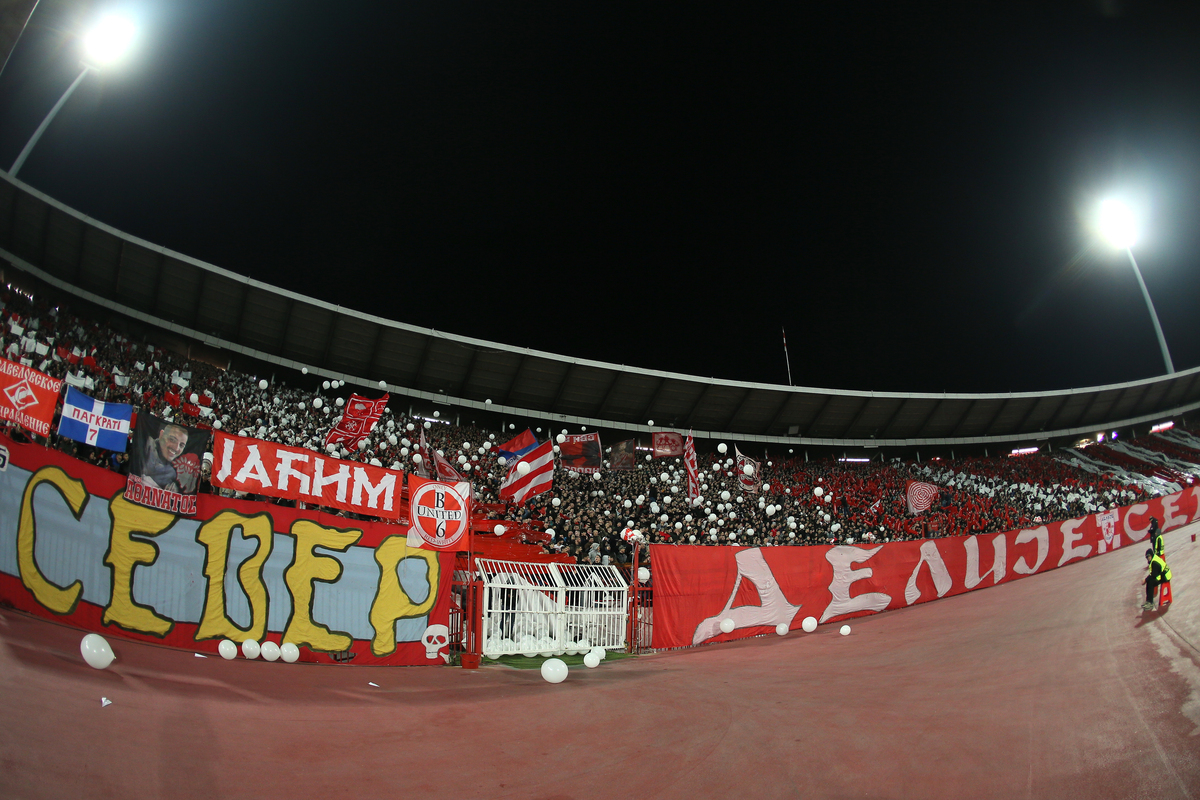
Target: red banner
695, 588
293, 473
693, 472
580, 453
131, 572
667, 444
27, 397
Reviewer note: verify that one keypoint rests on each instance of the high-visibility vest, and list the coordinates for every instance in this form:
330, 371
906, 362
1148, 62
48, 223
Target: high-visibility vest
1166, 571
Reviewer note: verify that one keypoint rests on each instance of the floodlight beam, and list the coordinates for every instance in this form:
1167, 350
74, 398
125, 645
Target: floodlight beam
33, 140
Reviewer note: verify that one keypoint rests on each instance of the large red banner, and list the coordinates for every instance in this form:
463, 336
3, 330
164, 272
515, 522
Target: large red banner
293, 473
580, 453
695, 588
27, 397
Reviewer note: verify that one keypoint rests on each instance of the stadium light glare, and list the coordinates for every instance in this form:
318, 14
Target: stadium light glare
1117, 224
109, 41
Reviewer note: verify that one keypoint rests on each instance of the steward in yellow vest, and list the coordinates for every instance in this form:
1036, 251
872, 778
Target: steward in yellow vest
1159, 573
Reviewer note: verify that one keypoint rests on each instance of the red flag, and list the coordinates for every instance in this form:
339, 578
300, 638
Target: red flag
667, 444
445, 471
920, 496
27, 397
689, 462
749, 481
357, 421
423, 449
519, 445
539, 478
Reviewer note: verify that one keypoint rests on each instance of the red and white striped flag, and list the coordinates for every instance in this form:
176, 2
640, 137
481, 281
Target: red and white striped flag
689, 462
920, 496
540, 478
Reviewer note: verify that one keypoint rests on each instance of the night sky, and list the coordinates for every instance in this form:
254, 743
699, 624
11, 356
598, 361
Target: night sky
906, 189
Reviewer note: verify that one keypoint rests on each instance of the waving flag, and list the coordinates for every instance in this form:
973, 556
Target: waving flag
357, 421
667, 443
689, 462
749, 483
920, 496
518, 446
444, 469
90, 421
581, 453
540, 478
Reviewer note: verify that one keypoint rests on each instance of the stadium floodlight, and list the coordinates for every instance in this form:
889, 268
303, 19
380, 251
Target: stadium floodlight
103, 46
1118, 225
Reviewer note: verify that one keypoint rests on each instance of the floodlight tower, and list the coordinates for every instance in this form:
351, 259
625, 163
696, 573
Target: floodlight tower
103, 46
1118, 226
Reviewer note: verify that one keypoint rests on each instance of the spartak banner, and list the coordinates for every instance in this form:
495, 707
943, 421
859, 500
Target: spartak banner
580, 453
623, 456
358, 420
27, 397
440, 514
695, 588
164, 465
293, 473
749, 483
667, 443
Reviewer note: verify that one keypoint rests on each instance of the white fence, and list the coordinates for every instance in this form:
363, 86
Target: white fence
551, 608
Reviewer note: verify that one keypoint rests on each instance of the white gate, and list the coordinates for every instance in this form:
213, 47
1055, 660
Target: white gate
535, 608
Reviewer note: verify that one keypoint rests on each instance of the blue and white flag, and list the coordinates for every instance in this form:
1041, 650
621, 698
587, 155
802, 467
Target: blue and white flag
90, 421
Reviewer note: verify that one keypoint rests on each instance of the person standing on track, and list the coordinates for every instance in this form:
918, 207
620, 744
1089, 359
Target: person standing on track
1160, 573
1156, 539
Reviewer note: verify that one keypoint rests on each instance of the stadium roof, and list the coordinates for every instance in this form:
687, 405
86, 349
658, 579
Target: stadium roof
206, 303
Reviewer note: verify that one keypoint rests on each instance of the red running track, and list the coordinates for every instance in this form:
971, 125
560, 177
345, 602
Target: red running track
1053, 686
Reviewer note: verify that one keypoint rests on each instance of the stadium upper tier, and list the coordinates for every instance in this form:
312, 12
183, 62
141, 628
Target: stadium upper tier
144, 281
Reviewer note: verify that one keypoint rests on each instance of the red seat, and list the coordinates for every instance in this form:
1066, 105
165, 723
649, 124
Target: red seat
1164, 593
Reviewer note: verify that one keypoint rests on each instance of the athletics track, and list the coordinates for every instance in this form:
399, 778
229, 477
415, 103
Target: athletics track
1052, 686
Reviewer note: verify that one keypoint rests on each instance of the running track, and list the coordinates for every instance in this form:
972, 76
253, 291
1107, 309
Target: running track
1053, 686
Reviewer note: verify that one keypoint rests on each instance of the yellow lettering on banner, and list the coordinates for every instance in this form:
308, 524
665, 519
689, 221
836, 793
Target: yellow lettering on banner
307, 567
124, 554
216, 535
58, 599
391, 601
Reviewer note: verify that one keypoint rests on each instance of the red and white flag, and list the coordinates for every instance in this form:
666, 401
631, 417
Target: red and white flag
689, 463
27, 397
749, 482
667, 443
920, 496
358, 420
422, 449
445, 470
539, 478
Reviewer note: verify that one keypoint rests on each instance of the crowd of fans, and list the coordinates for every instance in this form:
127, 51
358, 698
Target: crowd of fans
791, 501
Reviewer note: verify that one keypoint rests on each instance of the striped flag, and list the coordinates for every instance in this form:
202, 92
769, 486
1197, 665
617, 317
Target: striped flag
689, 462
87, 420
920, 496
540, 477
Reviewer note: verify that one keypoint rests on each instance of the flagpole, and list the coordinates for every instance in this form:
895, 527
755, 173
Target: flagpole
787, 360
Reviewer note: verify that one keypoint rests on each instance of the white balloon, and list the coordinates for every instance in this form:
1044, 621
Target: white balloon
809, 624
317, 403
782, 629
727, 625
417, 458
591, 661
289, 652
766, 487
556, 502
523, 468
502, 461
96, 651
499, 530
227, 649
725, 496
643, 574
554, 670
845, 631
262, 384
818, 491
722, 448
383, 384
270, 651
250, 648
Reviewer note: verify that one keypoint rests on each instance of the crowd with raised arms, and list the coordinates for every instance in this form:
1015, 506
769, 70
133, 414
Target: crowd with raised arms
793, 501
